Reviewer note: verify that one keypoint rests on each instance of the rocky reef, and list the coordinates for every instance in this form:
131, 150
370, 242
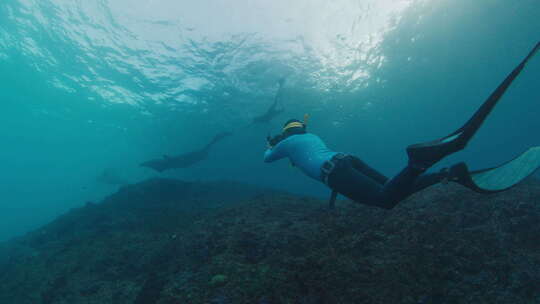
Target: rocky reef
166, 241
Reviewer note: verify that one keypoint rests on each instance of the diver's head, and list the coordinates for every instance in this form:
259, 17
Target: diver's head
293, 127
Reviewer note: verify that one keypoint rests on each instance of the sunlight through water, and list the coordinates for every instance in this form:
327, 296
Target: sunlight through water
165, 51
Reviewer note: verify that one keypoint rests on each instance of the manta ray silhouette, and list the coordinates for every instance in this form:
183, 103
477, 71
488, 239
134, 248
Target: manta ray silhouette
183, 160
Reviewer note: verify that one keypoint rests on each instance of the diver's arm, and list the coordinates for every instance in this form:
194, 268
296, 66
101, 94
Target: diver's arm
277, 152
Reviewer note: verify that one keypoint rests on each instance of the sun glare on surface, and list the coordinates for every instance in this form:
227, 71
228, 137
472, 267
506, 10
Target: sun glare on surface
323, 44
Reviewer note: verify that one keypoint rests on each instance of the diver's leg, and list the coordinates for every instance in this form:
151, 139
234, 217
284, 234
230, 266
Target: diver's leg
348, 181
406, 183
364, 168
354, 184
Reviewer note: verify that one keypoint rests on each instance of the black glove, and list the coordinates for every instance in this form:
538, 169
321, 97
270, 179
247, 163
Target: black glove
272, 141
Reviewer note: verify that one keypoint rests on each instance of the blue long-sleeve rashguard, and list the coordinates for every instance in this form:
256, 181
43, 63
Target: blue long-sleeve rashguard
306, 151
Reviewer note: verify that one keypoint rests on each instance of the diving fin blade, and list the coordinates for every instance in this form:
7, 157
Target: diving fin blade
426, 154
467, 131
499, 178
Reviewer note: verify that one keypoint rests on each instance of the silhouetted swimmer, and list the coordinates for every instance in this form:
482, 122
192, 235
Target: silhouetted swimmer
183, 160
274, 110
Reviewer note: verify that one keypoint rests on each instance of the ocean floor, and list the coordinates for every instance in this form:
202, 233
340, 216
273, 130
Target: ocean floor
167, 241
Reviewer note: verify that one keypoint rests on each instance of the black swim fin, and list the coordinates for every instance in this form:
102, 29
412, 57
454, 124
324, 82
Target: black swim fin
498, 178
424, 155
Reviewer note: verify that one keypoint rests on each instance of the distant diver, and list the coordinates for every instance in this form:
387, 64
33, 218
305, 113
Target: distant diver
183, 160
275, 109
351, 177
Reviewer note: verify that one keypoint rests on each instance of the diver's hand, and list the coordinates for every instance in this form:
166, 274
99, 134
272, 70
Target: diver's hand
268, 145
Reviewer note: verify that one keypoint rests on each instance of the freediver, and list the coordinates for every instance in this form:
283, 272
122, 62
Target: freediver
183, 160
273, 110
351, 177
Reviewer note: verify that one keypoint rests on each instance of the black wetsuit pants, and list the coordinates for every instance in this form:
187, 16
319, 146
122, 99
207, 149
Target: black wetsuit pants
356, 180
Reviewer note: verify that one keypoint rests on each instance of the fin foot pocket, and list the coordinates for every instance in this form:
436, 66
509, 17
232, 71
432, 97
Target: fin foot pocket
424, 155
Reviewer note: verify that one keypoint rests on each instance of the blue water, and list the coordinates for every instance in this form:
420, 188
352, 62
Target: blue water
88, 87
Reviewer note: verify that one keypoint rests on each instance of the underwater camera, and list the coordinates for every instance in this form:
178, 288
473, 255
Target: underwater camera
272, 141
